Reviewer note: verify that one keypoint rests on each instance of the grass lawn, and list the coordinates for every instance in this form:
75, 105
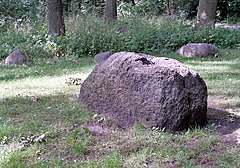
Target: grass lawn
42, 125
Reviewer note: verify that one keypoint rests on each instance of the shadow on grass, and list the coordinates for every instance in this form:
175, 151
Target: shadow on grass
59, 66
224, 122
52, 67
37, 115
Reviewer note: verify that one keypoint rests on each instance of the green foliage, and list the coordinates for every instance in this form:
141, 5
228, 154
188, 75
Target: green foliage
29, 11
15, 9
35, 9
234, 8
84, 7
32, 39
153, 7
186, 8
88, 35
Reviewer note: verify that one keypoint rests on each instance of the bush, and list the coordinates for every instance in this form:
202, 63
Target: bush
21, 9
32, 39
90, 35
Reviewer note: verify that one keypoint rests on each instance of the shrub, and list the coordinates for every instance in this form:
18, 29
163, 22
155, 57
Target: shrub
89, 35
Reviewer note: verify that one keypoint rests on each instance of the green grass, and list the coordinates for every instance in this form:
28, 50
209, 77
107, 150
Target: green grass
70, 143
113, 160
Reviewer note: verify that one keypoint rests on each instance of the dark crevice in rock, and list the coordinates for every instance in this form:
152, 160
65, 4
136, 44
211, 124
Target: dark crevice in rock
189, 99
122, 64
128, 68
144, 61
184, 85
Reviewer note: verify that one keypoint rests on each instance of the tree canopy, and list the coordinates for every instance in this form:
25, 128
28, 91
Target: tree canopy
226, 9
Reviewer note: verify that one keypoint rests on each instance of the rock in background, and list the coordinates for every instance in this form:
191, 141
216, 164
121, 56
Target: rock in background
16, 58
157, 92
198, 50
102, 56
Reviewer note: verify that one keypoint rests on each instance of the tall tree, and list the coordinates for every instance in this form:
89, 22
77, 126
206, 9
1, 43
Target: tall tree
55, 17
110, 10
206, 15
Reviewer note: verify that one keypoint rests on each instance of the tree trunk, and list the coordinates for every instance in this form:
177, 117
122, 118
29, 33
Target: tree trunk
110, 10
55, 17
206, 15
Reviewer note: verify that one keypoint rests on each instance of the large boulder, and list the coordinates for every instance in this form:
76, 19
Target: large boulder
16, 58
102, 56
157, 92
198, 50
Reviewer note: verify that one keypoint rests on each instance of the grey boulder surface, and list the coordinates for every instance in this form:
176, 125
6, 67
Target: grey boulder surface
102, 56
198, 50
16, 58
156, 92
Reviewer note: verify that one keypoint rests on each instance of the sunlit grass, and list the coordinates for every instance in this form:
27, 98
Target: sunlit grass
222, 79
46, 67
41, 86
43, 79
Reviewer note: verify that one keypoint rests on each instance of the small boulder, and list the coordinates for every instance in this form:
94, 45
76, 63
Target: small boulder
16, 58
157, 92
102, 56
198, 50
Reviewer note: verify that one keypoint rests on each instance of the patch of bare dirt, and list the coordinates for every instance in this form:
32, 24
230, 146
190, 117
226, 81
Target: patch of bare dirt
232, 138
102, 128
100, 131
